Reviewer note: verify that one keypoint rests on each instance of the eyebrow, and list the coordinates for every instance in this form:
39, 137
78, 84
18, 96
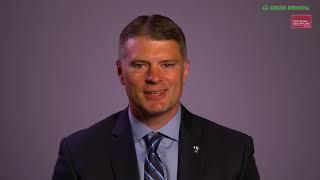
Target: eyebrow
138, 61
161, 61
169, 60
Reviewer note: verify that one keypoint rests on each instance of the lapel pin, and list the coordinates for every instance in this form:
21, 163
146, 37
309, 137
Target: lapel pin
196, 149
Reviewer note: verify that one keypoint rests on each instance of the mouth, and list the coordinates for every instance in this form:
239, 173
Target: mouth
155, 94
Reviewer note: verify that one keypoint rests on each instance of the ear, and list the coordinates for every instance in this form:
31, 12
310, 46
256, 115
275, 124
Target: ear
186, 70
119, 71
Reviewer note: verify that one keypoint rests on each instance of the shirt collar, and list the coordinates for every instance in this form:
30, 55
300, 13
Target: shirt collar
171, 129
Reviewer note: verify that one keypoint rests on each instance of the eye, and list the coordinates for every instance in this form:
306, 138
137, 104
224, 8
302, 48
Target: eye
139, 65
168, 65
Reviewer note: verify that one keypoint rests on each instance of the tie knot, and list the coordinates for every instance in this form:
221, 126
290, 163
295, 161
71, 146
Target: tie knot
152, 141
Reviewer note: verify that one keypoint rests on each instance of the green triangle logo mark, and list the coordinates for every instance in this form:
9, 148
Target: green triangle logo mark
265, 7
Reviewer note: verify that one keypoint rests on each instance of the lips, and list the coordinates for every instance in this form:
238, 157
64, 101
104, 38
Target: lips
154, 94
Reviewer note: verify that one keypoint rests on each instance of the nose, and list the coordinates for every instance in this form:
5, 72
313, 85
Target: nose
153, 75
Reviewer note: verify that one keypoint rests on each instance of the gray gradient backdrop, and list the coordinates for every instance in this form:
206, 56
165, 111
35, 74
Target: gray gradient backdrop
249, 71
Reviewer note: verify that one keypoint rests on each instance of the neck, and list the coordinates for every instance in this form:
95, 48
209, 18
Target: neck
157, 120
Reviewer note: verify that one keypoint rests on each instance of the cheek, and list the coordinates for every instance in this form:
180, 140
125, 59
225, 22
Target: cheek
133, 81
176, 80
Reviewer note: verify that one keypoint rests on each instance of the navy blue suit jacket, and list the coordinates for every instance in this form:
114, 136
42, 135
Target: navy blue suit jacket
106, 151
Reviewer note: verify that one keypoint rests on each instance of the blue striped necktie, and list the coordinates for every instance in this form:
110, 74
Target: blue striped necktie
153, 169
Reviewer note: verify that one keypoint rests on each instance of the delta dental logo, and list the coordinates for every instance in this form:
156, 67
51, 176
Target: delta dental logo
267, 7
301, 21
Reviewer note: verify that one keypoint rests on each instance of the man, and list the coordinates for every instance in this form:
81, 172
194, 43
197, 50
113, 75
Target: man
155, 137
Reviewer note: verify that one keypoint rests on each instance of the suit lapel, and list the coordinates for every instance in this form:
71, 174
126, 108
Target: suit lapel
123, 160
190, 160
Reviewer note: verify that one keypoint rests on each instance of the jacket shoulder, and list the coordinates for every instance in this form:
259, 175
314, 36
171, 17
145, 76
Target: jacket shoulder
223, 133
100, 131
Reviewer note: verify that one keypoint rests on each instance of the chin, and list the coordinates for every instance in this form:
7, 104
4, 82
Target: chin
157, 109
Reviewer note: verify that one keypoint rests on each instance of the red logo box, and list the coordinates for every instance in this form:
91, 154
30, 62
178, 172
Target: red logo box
301, 21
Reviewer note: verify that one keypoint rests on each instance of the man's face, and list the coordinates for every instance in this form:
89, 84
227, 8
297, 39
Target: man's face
153, 73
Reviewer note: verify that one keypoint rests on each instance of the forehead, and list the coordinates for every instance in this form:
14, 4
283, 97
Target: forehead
146, 47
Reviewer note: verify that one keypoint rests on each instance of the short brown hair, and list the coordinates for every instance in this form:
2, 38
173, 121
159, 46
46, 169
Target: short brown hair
157, 27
